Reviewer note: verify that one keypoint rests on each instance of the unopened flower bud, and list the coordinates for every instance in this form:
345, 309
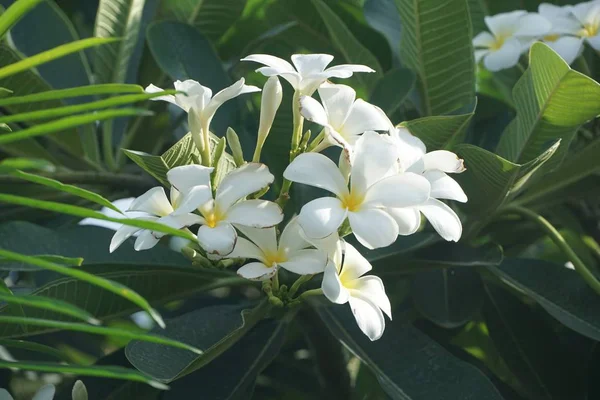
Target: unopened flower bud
271, 100
235, 146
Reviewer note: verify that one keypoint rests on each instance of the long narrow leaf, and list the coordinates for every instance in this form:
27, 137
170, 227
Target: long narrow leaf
98, 330
91, 90
74, 190
14, 13
69, 122
47, 303
70, 110
33, 346
112, 372
53, 54
86, 213
111, 286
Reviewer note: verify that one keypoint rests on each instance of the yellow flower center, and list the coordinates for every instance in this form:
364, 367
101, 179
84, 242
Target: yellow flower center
551, 38
590, 29
498, 43
352, 202
213, 217
274, 257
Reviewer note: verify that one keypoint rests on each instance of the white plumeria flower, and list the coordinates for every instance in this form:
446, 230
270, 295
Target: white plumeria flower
563, 37
308, 72
343, 116
588, 15
511, 34
374, 186
433, 166
292, 253
217, 235
157, 207
200, 104
344, 282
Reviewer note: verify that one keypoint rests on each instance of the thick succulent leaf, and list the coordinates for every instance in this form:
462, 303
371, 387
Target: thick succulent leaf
552, 101
526, 342
408, 364
344, 41
436, 44
228, 324
561, 292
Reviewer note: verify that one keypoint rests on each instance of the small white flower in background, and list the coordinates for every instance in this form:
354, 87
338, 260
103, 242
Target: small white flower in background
344, 282
374, 186
292, 253
433, 166
511, 34
563, 37
342, 115
269, 104
46, 392
308, 72
157, 207
217, 235
588, 15
200, 104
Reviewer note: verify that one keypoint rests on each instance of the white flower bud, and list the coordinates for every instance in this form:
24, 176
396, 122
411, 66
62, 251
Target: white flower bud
271, 99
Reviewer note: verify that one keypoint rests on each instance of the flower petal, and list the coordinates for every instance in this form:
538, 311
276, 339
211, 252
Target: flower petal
271, 61
568, 47
444, 160
403, 190
121, 235
408, 219
479, 54
355, 264
505, 57
308, 64
346, 70
219, 240
265, 238
292, 77
242, 182
228, 93
443, 219
317, 170
255, 213
305, 262
444, 187
484, 39
146, 240
533, 25
374, 159
322, 217
373, 227
154, 202
292, 238
371, 287
180, 221
188, 176
192, 199
155, 89
332, 286
197, 97
313, 111
257, 271
504, 24
369, 317
410, 148
246, 249
337, 102
594, 42
363, 117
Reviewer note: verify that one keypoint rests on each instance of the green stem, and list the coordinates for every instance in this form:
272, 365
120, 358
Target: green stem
276, 281
316, 141
284, 193
259, 145
310, 293
561, 243
299, 282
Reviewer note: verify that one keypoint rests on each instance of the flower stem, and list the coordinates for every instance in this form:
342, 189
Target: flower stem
299, 282
284, 193
309, 293
316, 141
276, 281
205, 151
561, 243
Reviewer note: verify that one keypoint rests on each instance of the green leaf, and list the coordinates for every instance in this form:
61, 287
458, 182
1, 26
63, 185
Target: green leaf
383, 16
90, 90
575, 168
69, 122
407, 361
33, 347
97, 330
490, 180
117, 19
9, 265
47, 56
228, 324
50, 304
74, 109
448, 297
99, 371
399, 249
14, 13
478, 10
561, 292
526, 342
552, 101
74, 190
391, 90
440, 132
111, 286
436, 44
345, 42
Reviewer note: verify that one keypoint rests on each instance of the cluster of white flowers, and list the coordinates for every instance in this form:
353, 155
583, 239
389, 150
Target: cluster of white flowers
564, 29
383, 182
